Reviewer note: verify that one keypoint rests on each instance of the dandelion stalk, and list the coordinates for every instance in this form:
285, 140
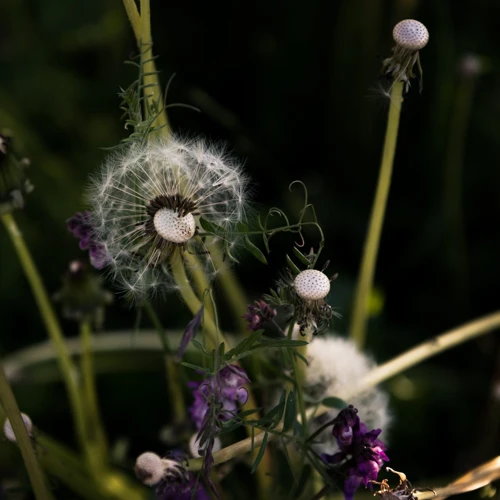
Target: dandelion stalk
9, 404
171, 368
380, 374
372, 242
96, 437
49, 318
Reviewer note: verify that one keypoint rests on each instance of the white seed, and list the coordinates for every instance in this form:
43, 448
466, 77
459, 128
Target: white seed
9, 433
410, 34
312, 285
149, 468
173, 228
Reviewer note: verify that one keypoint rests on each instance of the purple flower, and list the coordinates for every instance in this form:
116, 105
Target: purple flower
361, 453
81, 227
224, 390
173, 490
258, 314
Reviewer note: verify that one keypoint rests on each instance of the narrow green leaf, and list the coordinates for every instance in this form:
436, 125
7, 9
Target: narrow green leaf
254, 250
334, 402
292, 266
196, 367
301, 257
260, 454
290, 412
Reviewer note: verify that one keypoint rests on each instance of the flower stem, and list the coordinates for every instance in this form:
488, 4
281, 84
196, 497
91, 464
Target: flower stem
68, 370
171, 368
383, 372
9, 404
96, 441
372, 242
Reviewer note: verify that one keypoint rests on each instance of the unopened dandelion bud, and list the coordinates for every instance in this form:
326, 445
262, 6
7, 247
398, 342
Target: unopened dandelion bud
9, 432
411, 34
312, 285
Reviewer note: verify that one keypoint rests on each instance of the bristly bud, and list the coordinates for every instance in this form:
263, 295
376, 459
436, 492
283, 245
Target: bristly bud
410, 36
9, 432
82, 295
150, 199
152, 470
13, 181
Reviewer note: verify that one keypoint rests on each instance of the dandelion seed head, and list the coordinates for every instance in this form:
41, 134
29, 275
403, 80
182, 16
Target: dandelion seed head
335, 367
312, 285
410, 34
147, 202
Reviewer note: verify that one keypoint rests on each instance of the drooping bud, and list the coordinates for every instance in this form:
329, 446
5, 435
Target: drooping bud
13, 181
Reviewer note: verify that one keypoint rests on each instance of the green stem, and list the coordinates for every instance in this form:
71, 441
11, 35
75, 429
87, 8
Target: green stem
372, 242
172, 369
68, 370
9, 404
233, 291
456, 251
96, 442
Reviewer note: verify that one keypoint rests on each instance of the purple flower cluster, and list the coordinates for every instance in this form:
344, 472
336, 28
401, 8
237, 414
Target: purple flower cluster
361, 454
172, 490
258, 314
81, 227
224, 390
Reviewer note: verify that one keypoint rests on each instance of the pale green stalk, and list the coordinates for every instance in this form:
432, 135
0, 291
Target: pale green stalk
9, 404
171, 368
96, 442
364, 286
68, 370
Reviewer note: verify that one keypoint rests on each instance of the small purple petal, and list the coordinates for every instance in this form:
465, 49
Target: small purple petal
190, 332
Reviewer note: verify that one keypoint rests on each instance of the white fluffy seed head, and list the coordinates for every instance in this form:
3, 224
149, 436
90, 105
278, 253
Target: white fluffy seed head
9, 432
149, 468
336, 366
312, 285
410, 34
173, 228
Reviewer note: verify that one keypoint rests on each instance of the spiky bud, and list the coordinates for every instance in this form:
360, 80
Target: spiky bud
312, 285
149, 468
411, 34
9, 432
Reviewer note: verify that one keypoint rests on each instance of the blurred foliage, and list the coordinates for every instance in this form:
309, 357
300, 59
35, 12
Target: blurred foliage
293, 88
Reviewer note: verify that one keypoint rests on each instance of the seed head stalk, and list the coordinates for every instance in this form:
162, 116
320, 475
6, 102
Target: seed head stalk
96, 436
9, 404
172, 369
365, 280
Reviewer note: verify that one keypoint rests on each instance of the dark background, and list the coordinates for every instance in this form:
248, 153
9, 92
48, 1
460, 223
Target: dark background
292, 87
